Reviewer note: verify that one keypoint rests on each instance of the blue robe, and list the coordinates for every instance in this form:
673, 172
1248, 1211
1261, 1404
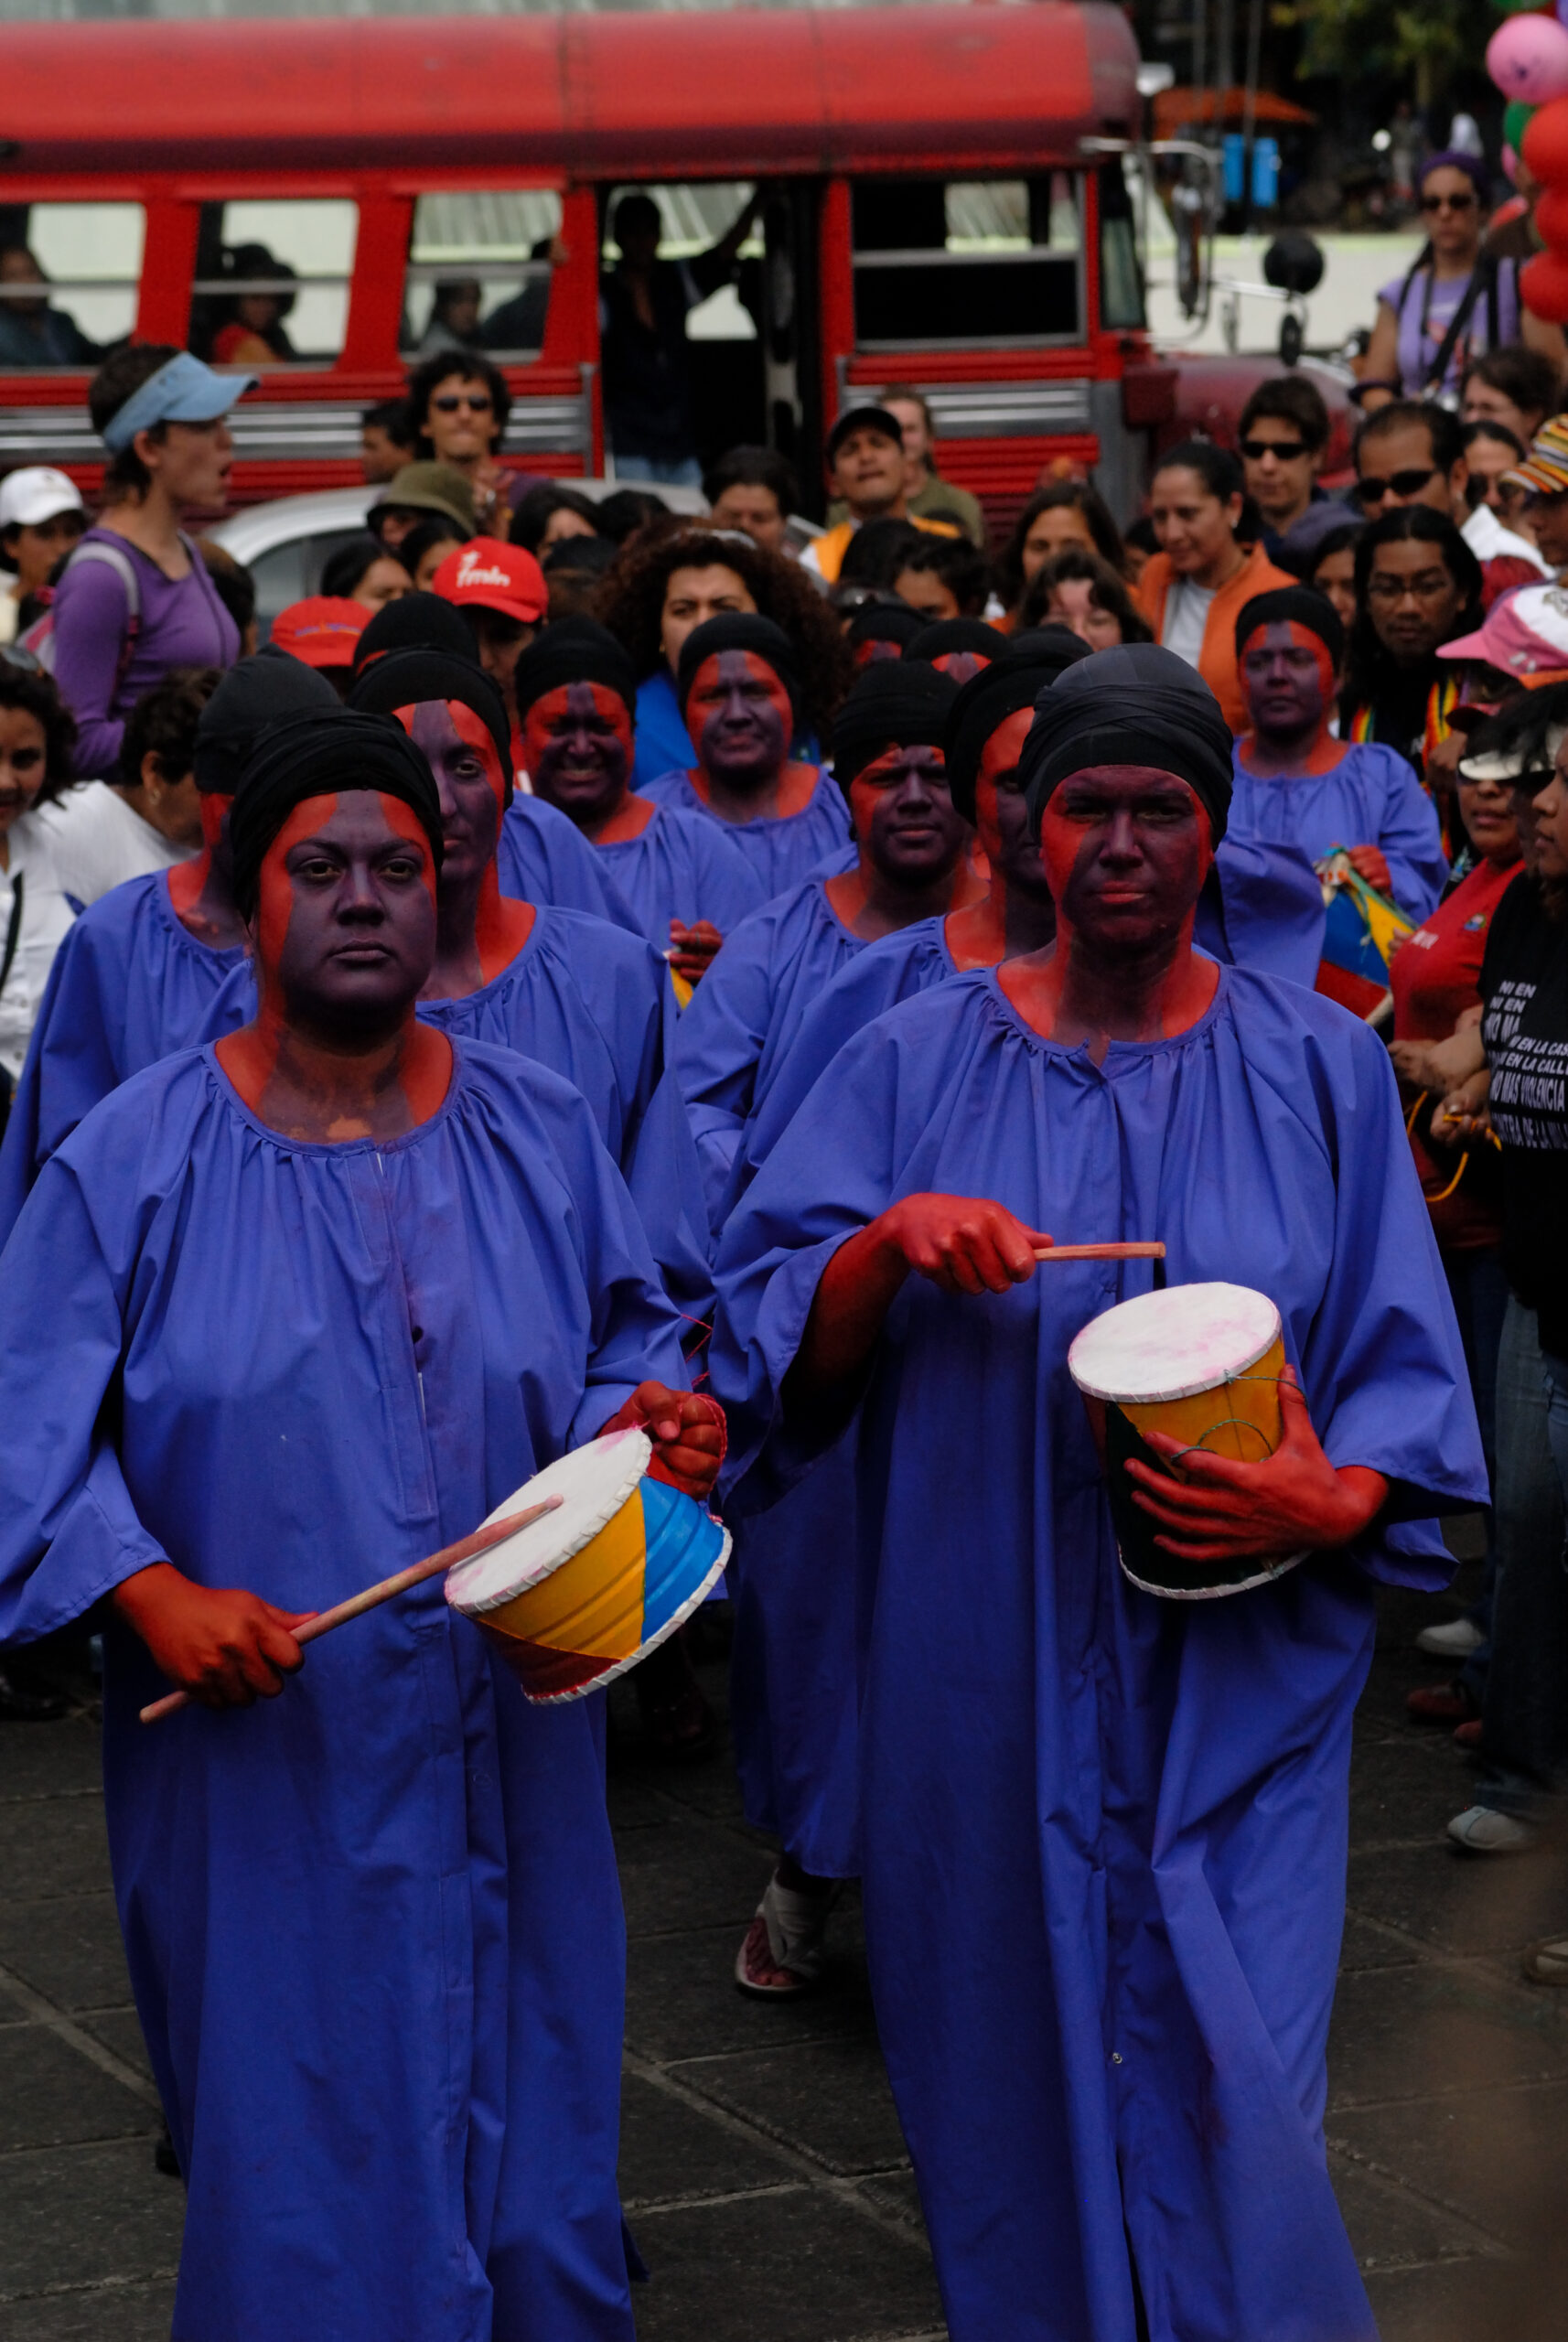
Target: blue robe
1373, 796
373, 1926
596, 1006
794, 1672
541, 856
782, 849
662, 739
744, 1015
1105, 1834
129, 985
1262, 909
683, 867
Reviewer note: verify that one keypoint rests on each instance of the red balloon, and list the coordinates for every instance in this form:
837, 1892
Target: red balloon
1551, 219
1543, 287
1545, 143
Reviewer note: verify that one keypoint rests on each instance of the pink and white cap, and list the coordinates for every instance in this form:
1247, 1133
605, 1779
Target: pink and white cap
1525, 634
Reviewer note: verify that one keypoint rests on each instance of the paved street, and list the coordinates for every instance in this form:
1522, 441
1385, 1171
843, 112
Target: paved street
763, 2170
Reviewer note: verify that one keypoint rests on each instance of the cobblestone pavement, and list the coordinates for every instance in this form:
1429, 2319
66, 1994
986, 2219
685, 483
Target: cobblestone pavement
763, 2170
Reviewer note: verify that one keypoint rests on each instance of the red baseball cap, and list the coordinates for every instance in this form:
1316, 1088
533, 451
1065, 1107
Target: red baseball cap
486, 574
322, 630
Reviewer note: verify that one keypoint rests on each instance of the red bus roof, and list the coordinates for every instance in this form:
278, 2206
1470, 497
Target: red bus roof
716, 94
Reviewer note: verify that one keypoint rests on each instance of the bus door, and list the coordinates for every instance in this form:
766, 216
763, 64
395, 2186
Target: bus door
977, 293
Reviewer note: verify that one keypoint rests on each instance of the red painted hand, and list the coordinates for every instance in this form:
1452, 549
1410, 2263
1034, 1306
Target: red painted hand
687, 1430
963, 1243
1294, 1499
691, 949
1369, 862
224, 1647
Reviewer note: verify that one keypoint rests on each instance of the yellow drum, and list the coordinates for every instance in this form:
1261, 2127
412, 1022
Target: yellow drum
1200, 1362
581, 1596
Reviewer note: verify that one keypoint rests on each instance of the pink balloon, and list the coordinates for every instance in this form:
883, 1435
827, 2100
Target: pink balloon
1528, 58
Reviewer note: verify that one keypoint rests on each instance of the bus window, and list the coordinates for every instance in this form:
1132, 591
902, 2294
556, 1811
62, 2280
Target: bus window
271, 282
950, 265
1121, 276
478, 272
69, 280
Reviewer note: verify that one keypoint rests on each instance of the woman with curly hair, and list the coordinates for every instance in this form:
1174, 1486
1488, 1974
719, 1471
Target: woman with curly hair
662, 587
38, 736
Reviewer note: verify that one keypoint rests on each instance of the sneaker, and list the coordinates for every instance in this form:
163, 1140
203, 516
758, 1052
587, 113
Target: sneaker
1468, 1736
1481, 1831
1547, 1963
1455, 1639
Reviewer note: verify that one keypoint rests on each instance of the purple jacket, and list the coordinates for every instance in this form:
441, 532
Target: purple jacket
182, 624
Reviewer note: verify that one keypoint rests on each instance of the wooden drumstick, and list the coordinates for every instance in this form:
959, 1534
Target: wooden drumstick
432, 1566
1100, 1252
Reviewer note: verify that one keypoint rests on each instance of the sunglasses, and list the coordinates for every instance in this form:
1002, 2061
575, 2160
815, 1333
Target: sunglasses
1406, 483
1448, 203
478, 402
1287, 450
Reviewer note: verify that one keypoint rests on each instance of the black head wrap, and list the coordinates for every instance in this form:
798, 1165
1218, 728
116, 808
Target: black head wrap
1296, 605
1135, 704
259, 691
885, 622
1050, 641
415, 622
573, 651
1008, 685
893, 704
323, 754
405, 677
943, 637
739, 630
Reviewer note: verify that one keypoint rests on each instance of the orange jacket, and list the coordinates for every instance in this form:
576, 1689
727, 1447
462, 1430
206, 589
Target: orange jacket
1217, 661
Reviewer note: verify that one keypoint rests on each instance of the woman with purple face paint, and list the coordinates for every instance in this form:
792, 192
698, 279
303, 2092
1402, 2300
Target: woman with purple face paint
1296, 785
686, 880
740, 695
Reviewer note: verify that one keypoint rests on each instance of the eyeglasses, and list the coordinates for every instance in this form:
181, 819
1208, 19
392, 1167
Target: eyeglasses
1427, 587
478, 402
1287, 450
1448, 203
1411, 482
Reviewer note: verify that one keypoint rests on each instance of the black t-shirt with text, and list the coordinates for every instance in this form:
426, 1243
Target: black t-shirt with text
1524, 1024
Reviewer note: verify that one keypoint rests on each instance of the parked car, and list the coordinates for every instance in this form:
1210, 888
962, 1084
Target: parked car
286, 543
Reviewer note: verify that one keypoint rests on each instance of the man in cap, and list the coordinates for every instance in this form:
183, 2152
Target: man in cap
501, 590
413, 494
1543, 475
1103, 1832
41, 517
324, 632
865, 465
930, 497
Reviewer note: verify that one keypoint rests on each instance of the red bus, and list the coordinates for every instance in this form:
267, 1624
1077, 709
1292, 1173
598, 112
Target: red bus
944, 205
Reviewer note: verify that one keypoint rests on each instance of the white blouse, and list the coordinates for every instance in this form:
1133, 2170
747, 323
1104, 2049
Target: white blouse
46, 916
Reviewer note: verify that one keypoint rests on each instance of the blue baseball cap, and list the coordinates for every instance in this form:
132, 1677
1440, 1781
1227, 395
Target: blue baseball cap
183, 390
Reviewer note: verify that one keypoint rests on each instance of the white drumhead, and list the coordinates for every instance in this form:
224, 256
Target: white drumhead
1169, 1345
592, 1484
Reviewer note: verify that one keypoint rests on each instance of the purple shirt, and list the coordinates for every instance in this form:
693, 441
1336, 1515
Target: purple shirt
1418, 349
183, 624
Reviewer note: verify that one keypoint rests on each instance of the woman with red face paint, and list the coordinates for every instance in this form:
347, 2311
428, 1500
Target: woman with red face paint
686, 881
740, 695
1296, 785
1103, 1833
136, 975
957, 647
281, 1316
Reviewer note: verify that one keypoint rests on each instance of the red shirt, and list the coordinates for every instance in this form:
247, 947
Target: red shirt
1435, 976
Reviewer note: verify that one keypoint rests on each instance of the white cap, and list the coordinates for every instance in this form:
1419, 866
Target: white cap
35, 494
